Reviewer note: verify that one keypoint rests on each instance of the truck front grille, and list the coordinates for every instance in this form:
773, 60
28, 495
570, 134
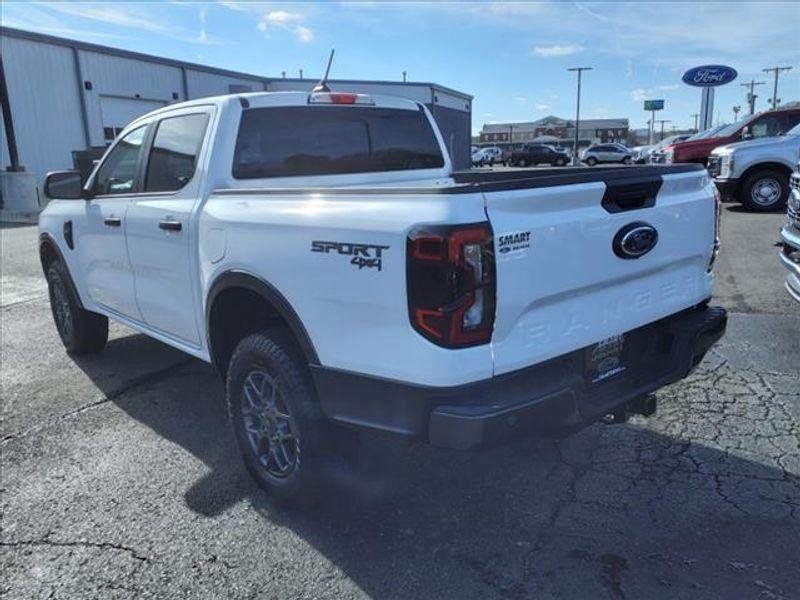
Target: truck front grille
794, 200
714, 165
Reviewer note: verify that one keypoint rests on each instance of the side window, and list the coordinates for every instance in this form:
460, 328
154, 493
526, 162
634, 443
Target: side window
767, 127
173, 157
118, 171
790, 121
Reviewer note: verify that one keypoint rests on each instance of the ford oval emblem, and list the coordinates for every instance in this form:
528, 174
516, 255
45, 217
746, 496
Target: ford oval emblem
709, 76
635, 240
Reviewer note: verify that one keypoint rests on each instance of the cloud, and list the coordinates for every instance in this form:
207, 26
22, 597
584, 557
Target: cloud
304, 34
641, 94
203, 36
629, 68
114, 14
670, 86
521, 99
542, 107
278, 19
558, 50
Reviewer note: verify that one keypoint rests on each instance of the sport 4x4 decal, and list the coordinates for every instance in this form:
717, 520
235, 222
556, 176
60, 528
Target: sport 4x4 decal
364, 255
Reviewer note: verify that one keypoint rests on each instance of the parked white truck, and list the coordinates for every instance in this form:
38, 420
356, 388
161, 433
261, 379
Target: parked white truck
756, 172
319, 250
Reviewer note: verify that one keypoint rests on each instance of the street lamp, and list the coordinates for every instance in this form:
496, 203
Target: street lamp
579, 70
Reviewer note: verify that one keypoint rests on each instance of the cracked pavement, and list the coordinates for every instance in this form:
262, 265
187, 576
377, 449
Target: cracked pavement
120, 479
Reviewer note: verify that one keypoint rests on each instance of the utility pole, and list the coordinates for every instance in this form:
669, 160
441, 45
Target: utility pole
301, 73
751, 97
404, 76
695, 117
662, 121
579, 70
736, 110
776, 71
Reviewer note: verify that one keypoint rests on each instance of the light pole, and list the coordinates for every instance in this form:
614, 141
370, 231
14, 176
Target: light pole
695, 116
736, 110
579, 70
776, 71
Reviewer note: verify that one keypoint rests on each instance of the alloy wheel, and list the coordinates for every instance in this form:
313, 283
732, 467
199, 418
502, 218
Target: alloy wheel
268, 425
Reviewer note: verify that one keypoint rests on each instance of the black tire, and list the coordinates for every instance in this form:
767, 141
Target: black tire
522, 163
627, 160
81, 331
313, 438
561, 162
591, 161
764, 191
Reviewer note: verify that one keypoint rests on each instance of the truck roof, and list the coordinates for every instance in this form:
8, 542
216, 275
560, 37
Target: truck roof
264, 99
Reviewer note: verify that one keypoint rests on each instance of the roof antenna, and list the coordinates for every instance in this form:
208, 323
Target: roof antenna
322, 86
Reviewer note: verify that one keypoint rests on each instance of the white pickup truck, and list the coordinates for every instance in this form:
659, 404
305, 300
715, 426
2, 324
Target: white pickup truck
319, 250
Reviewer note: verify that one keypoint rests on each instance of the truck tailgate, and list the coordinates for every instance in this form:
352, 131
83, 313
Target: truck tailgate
560, 285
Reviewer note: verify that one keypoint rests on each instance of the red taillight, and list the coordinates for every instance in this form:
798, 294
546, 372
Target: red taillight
451, 284
339, 98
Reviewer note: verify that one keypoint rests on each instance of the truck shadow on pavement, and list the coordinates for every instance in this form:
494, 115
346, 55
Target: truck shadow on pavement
633, 510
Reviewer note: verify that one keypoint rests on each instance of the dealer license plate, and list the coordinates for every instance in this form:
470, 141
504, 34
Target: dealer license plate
606, 359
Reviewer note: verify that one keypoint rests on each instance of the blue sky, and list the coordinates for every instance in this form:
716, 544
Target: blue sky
511, 56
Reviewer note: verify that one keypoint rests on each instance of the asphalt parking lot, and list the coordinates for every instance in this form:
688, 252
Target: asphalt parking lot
120, 477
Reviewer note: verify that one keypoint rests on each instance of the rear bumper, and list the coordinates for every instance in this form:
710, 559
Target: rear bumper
551, 397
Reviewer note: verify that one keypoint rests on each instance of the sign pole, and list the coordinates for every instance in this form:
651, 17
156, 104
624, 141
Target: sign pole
707, 108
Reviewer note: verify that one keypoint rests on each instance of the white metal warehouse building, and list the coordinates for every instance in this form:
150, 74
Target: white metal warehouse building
67, 96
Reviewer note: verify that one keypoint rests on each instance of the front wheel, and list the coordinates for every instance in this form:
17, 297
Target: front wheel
591, 161
80, 330
561, 162
522, 162
627, 160
764, 191
276, 418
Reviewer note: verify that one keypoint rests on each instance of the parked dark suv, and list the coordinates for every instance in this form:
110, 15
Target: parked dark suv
534, 154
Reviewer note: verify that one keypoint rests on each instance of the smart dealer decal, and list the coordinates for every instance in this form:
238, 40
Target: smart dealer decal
513, 242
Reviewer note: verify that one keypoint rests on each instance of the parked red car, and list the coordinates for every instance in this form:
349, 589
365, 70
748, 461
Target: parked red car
766, 124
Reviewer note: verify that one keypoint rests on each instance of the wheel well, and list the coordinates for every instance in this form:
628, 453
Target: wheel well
236, 313
47, 254
768, 166
239, 305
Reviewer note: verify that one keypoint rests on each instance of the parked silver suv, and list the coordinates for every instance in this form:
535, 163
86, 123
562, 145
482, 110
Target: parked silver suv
607, 153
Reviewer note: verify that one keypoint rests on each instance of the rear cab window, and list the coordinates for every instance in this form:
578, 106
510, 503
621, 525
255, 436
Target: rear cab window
291, 141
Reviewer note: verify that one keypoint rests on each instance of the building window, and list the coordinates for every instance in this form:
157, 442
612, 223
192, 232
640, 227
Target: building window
110, 134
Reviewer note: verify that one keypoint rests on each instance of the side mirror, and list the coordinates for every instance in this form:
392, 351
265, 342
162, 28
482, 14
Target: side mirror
64, 185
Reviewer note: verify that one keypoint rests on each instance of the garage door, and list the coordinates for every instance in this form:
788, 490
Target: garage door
117, 112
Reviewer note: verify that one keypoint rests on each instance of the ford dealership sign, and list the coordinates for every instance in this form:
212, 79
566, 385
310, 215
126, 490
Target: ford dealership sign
709, 76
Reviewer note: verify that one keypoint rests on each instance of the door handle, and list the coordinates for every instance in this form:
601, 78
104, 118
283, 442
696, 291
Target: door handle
112, 221
170, 225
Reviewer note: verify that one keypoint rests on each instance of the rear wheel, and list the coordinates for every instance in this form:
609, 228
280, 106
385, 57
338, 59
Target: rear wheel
522, 162
765, 190
627, 160
280, 429
81, 331
591, 161
561, 162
